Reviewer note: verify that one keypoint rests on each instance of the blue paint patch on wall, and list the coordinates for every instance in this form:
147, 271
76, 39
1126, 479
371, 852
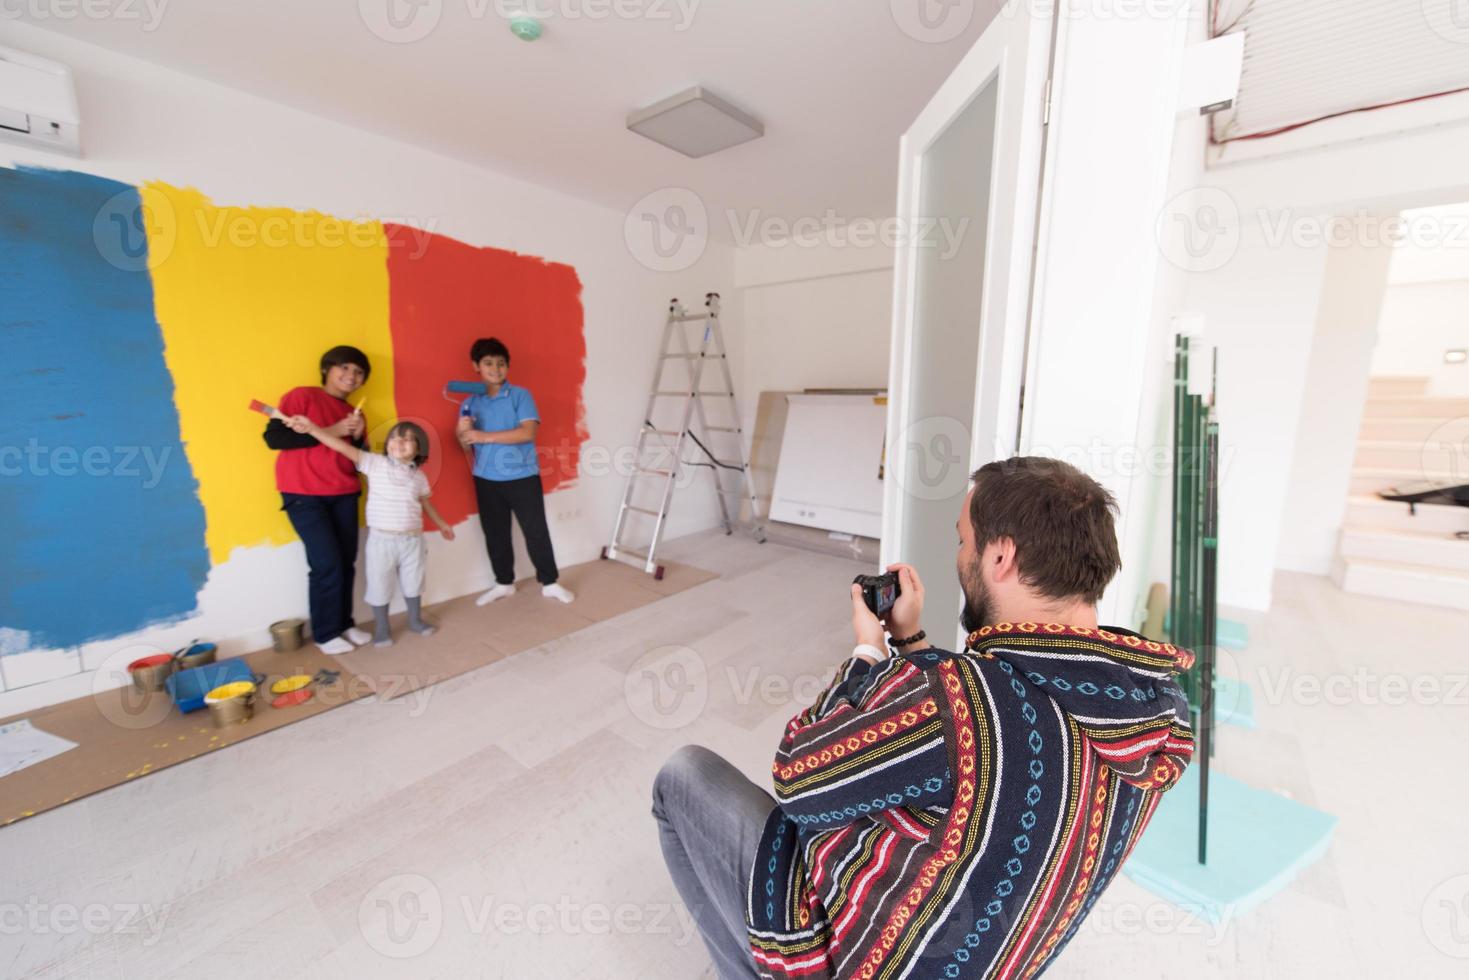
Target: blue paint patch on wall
103, 528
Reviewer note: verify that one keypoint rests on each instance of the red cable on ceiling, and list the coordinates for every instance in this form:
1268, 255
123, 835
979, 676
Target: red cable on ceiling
1335, 115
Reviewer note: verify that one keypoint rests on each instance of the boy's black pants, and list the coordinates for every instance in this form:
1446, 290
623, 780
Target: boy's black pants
328, 528
525, 498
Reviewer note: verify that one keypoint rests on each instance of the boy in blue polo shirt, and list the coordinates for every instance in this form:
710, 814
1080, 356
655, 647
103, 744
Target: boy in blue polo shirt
500, 427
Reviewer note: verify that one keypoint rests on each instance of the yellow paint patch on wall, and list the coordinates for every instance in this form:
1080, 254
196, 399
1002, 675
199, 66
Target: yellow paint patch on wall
249, 299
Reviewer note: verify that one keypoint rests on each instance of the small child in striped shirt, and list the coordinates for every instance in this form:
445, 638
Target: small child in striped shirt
397, 496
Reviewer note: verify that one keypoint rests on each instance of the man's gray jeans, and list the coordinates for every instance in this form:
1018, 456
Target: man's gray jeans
710, 818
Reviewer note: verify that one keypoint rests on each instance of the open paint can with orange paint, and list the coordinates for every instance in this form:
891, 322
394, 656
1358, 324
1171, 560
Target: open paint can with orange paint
291, 691
231, 704
150, 673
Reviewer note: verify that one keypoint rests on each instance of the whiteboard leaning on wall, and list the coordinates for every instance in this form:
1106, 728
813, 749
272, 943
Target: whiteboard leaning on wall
830, 471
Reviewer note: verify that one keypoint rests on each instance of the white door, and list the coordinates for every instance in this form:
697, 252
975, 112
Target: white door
969, 180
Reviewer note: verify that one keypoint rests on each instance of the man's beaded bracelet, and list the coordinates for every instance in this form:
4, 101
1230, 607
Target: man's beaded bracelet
920, 635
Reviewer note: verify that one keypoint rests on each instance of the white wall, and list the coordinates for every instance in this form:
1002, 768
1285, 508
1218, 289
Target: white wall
1094, 398
1149, 554
1335, 389
1424, 314
1260, 310
813, 315
1419, 322
142, 123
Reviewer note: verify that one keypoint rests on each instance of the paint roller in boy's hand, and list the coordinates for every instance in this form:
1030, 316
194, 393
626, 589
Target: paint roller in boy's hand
464, 388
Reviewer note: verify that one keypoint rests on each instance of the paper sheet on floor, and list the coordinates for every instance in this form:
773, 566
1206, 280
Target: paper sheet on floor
22, 745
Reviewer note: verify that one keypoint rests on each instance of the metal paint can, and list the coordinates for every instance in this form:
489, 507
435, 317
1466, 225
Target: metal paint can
196, 655
149, 673
287, 635
231, 704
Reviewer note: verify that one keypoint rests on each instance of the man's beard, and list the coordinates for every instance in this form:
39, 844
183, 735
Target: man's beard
978, 603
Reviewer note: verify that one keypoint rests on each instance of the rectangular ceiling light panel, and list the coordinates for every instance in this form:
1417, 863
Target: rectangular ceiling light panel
696, 123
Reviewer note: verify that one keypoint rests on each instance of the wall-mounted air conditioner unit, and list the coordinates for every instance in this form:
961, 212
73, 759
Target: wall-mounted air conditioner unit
38, 103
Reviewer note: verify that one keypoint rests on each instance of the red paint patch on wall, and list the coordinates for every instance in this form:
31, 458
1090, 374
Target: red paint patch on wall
444, 295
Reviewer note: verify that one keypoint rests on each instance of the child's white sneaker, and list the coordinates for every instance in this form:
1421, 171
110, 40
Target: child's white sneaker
357, 637
557, 591
498, 592
335, 647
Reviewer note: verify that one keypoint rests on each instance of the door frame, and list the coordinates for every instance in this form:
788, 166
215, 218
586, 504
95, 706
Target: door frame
1015, 52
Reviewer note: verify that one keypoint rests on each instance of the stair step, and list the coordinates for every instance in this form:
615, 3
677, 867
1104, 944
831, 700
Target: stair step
1397, 407
1437, 551
1370, 512
1405, 429
1391, 386
1404, 583
1429, 455
1367, 480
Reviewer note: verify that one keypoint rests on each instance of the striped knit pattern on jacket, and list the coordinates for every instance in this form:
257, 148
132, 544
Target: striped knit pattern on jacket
957, 815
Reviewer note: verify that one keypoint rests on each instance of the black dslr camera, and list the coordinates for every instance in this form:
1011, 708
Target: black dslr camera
879, 591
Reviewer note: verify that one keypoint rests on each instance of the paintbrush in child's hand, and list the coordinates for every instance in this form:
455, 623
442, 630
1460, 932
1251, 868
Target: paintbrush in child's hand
264, 409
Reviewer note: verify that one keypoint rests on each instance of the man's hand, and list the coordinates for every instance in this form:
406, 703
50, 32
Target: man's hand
907, 613
300, 424
864, 624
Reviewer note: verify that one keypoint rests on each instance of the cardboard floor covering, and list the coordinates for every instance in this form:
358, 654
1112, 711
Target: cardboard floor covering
470, 636
123, 735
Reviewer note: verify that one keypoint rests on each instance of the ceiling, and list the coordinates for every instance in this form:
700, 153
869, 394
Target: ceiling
836, 82
1305, 59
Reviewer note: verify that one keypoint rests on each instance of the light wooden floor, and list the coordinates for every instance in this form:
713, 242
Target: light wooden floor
497, 825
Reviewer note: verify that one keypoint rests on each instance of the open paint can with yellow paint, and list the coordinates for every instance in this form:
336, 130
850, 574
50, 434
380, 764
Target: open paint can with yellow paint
286, 635
231, 704
291, 691
286, 685
150, 673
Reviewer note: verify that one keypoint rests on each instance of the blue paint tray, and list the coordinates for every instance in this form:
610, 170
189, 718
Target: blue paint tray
188, 687
1258, 843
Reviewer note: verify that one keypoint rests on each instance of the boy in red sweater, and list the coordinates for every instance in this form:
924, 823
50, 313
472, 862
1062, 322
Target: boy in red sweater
319, 490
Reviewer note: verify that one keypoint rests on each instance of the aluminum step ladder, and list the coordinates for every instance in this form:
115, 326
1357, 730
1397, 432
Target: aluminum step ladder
730, 468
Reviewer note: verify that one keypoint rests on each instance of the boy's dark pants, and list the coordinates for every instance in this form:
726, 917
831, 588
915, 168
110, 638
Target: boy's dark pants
525, 498
328, 529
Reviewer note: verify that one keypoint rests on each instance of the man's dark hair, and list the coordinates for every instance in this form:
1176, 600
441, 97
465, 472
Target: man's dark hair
1060, 519
489, 347
420, 440
344, 355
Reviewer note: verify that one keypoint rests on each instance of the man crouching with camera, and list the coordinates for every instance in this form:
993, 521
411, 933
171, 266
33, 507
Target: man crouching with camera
943, 814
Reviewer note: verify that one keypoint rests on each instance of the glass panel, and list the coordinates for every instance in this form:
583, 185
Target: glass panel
949, 256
